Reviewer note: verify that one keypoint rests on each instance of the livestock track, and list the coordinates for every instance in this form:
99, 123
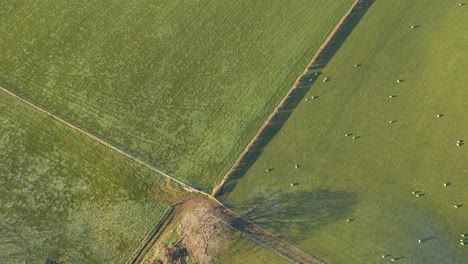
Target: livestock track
284, 101
251, 230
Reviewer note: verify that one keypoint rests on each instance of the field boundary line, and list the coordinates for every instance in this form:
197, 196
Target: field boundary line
282, 103
99, 140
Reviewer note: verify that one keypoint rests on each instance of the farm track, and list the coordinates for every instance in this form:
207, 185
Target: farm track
297, 84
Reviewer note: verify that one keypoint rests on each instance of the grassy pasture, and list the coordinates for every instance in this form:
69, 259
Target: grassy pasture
370, 179
182, 84
65, 197
244, 250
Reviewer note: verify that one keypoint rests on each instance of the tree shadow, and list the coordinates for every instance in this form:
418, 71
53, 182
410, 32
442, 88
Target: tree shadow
305, 83
299, 213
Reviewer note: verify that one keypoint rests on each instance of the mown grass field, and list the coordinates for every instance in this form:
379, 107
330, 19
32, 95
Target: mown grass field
66, 198
371, 179
184, 84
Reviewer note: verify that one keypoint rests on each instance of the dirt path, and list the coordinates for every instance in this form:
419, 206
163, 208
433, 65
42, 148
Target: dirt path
176, 212
282, 103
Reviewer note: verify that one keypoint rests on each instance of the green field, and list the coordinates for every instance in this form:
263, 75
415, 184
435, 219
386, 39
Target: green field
243, 250
182, 84
65, 197
371, 179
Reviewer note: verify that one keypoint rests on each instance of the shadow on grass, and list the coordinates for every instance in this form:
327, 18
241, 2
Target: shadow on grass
313, 73
297, 214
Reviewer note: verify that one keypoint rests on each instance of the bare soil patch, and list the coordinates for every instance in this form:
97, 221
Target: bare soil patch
201, 234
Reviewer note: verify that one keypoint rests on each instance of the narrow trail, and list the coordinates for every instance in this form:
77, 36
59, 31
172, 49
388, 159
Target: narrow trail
283, 102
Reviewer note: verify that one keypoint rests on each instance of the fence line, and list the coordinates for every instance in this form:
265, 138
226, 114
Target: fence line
283, 102
98, 139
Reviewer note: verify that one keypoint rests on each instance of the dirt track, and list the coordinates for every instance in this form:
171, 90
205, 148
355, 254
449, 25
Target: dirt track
282, 103
178, 209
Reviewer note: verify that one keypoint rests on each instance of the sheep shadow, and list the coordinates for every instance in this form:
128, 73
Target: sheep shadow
427, 239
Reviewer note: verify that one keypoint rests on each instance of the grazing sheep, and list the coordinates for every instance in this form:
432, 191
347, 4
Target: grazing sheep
457, 205
418, 195
386, 255
296, 166
446, 184
307, 99
398, 81
347, 134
